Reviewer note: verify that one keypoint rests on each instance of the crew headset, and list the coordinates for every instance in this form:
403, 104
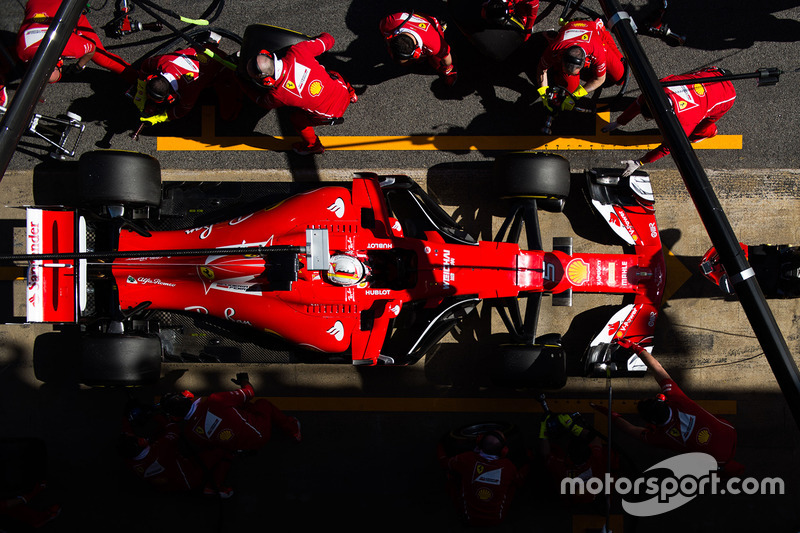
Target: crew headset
417, 53
263, 79
168, 99
499, 436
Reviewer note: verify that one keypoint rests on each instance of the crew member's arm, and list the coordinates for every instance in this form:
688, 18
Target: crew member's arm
320, 44
623, 425
594, 83
647, 358
233, 398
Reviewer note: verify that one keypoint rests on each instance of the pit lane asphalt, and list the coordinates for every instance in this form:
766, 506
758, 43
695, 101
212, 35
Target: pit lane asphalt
367, 460
496, 99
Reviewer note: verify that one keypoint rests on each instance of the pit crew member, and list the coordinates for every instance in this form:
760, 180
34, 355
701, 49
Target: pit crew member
580, 44
482, 482
414, 37
170, 84
83, 45
677, 423
570, 450
513, 13
230, 420
298, 80
698, 107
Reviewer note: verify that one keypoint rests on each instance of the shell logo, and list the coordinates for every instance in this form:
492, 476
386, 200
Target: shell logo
703, 436
699, 89
315, 88
226, 435
484, 494
577, 272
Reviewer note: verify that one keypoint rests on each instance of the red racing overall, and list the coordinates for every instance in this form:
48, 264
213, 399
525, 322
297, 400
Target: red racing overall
426, 31
38, 16
482, 486
228, 420
691, 428
524, 11
189, 72
319, 95
602, 54
698, 107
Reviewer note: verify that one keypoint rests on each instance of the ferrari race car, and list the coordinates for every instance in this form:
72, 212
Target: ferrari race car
371, 273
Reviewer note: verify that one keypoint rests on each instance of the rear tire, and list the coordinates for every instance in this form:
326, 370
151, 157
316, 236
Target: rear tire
531, 366
114, 177
532, 175
120, 360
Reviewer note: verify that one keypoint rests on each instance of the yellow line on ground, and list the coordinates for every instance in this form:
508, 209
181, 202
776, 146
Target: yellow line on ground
208, 141
469, 405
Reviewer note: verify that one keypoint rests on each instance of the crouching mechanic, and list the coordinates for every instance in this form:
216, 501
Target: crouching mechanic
412, 37
580, 44
83, 44
166, 464
519, 14
677, 423
698, 107
571, 450
230, 420
482, 482
297, 80
170, 84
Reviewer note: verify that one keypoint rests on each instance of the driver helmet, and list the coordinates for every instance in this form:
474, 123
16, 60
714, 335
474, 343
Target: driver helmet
346, 270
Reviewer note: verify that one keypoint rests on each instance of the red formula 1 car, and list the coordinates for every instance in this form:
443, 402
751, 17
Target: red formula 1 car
375, 270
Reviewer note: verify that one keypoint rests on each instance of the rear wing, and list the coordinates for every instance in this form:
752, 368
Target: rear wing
56, 289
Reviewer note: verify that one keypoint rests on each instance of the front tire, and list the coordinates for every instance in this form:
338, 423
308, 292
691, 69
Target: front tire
115, 177
538, 175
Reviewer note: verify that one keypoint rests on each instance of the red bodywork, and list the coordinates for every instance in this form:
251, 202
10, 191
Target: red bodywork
320, 315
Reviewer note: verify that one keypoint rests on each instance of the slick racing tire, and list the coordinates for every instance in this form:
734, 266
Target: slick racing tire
537, 366
114, 177
119, 360
538, 175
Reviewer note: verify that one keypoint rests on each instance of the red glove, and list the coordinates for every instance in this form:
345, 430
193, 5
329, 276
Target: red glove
630, 345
